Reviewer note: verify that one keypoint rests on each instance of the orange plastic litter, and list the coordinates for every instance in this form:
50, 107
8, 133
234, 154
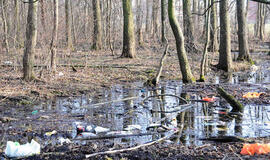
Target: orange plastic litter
208, 99
252, 95
251, 149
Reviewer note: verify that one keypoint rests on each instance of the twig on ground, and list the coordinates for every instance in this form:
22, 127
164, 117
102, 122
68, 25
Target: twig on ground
202, 146
132, 148
238, 156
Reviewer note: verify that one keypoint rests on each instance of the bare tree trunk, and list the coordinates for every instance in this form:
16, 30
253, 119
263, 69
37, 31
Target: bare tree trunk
242, 32
54, 36
128, 33
205, 52
109, 27
68, 25
155, 19
73, 29
42, 7
97, 41
214, 29
30, 41
86, 19
225, 60
262, 21
147, 22
163, 18
17, 38
195, 10
179, 38
188, 27
139, 18
5, 26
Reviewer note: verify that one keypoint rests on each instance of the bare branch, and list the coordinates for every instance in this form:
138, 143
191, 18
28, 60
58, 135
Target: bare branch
29, 1
262, 1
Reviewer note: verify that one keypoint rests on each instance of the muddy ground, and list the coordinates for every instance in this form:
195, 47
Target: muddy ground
86, 73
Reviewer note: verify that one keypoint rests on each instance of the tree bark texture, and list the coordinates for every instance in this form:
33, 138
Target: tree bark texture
54, 36
5, 26
128, 32
17, 38
237, 106
225, 60
147, 20
188, 24
30, 41
139, 17
205, 50
188, 27
242, 32
68, 25
261, 21
179, 39
97, 41
163, 18
195, 10
155, 8
42, 12
214, 29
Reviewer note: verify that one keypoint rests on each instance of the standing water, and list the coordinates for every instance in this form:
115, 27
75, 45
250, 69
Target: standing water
110, 109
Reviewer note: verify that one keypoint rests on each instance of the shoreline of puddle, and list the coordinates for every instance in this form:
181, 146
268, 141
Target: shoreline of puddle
201, 121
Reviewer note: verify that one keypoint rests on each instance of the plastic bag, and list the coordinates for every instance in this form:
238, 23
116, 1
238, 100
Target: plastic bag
14, 149
208, 99
252, 95
251, 149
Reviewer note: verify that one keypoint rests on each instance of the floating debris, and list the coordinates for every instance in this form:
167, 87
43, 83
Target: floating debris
48, 134
251, 149
14, 149
133, 127
208, 99
252, 95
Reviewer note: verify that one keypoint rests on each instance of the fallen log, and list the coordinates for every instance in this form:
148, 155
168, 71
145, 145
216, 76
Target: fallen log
237, 106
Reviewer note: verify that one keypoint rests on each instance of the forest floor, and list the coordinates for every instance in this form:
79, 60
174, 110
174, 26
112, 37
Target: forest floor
86, 72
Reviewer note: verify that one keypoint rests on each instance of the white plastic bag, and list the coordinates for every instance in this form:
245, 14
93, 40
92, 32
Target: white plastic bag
14, 149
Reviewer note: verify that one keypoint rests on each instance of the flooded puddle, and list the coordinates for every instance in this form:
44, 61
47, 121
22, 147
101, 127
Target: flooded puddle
142, 108
256, 75
122, 107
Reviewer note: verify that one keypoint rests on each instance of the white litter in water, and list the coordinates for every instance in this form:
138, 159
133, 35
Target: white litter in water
14, 149
60, 74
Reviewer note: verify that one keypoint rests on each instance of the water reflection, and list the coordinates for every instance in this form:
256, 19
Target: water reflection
200, 121
254, 76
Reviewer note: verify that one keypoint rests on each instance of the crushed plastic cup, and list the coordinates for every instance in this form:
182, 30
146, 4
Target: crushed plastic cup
14, 149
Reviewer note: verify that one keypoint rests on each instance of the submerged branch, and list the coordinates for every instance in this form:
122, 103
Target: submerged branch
237, 106
132, 148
